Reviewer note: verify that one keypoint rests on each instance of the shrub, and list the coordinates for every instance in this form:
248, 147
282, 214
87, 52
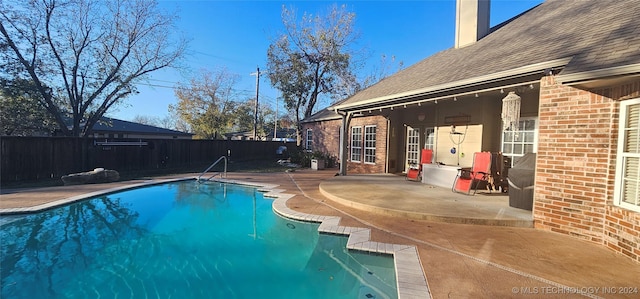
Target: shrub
303, 158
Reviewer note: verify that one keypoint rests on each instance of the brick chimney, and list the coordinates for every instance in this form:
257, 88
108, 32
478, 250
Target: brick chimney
472, 21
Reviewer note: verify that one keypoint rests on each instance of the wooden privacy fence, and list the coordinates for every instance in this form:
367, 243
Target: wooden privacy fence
32, 158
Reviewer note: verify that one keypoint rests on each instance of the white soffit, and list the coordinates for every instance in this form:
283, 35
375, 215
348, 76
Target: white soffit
528, 69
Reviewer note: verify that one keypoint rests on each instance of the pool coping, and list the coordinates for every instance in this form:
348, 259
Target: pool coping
410, 279
72, 199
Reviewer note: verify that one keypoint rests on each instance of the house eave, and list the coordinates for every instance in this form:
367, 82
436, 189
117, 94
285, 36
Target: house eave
328, 118
594, 78
475, 81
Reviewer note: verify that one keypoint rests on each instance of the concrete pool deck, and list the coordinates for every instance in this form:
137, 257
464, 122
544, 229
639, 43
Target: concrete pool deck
460, 260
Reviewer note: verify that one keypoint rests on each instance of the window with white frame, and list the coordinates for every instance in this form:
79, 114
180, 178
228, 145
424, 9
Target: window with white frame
429, 140
627, 184
309, 139
516, 143
356, 144
370, 144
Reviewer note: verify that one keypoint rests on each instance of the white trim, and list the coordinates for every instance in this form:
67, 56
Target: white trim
617, 196
365, 147
575, 78
520, 71
326, 118
536, 119
308, 142
427, 131
407, 163
351, 147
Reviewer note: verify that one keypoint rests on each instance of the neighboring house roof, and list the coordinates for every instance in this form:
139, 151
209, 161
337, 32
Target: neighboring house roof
280, 133
588, 39
107, 124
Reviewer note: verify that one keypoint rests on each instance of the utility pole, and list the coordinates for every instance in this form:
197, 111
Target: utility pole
255, 111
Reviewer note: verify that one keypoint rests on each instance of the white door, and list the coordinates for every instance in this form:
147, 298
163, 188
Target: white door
413, 147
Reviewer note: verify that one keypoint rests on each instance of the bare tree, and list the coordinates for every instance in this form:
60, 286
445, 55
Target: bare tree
313, 58
146, 120
85, 56
386, 68
167, 122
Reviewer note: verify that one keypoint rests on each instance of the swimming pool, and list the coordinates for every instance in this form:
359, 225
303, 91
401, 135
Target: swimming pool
182, 240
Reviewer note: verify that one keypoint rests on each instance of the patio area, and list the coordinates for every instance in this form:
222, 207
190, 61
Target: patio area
460, 260
393, 195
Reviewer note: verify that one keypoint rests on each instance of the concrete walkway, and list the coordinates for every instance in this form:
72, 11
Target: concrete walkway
459, 260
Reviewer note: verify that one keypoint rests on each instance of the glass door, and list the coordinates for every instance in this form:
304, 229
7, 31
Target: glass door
413, 147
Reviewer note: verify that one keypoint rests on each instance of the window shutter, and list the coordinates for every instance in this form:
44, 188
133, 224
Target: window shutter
631, 156
632, 144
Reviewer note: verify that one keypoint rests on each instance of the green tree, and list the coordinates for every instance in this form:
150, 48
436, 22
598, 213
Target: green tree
207, 104
313, 58
85, 56
244, 118
21, 113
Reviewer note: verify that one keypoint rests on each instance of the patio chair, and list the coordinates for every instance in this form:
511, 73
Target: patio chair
415, 172
469, 178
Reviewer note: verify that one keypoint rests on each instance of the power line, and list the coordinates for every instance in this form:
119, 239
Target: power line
214, 56
165, 81
175, 87
156, 85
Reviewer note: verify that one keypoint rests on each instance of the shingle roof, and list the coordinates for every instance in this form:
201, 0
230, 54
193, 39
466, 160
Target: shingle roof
324, 114
107, 124
590, 34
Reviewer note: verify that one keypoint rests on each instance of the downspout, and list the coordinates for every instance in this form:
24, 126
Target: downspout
386, 162
344, 133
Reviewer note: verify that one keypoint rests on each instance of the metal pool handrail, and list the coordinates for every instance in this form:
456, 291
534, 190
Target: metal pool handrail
212, 165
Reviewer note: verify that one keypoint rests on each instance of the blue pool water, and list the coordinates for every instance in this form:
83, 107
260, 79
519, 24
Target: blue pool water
182, 240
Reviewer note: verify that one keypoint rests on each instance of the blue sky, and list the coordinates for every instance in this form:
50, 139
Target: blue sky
236, 34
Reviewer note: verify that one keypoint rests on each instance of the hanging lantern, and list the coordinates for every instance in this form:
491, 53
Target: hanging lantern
511, 111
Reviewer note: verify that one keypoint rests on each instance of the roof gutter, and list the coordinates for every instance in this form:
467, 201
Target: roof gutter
326, 118
582, 77
528, 69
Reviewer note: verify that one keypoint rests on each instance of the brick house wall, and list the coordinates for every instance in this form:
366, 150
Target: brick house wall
381, 145
326, 139
575, 169
326, 136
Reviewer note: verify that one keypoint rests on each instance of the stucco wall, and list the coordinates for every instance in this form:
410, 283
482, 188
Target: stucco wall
575, 170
